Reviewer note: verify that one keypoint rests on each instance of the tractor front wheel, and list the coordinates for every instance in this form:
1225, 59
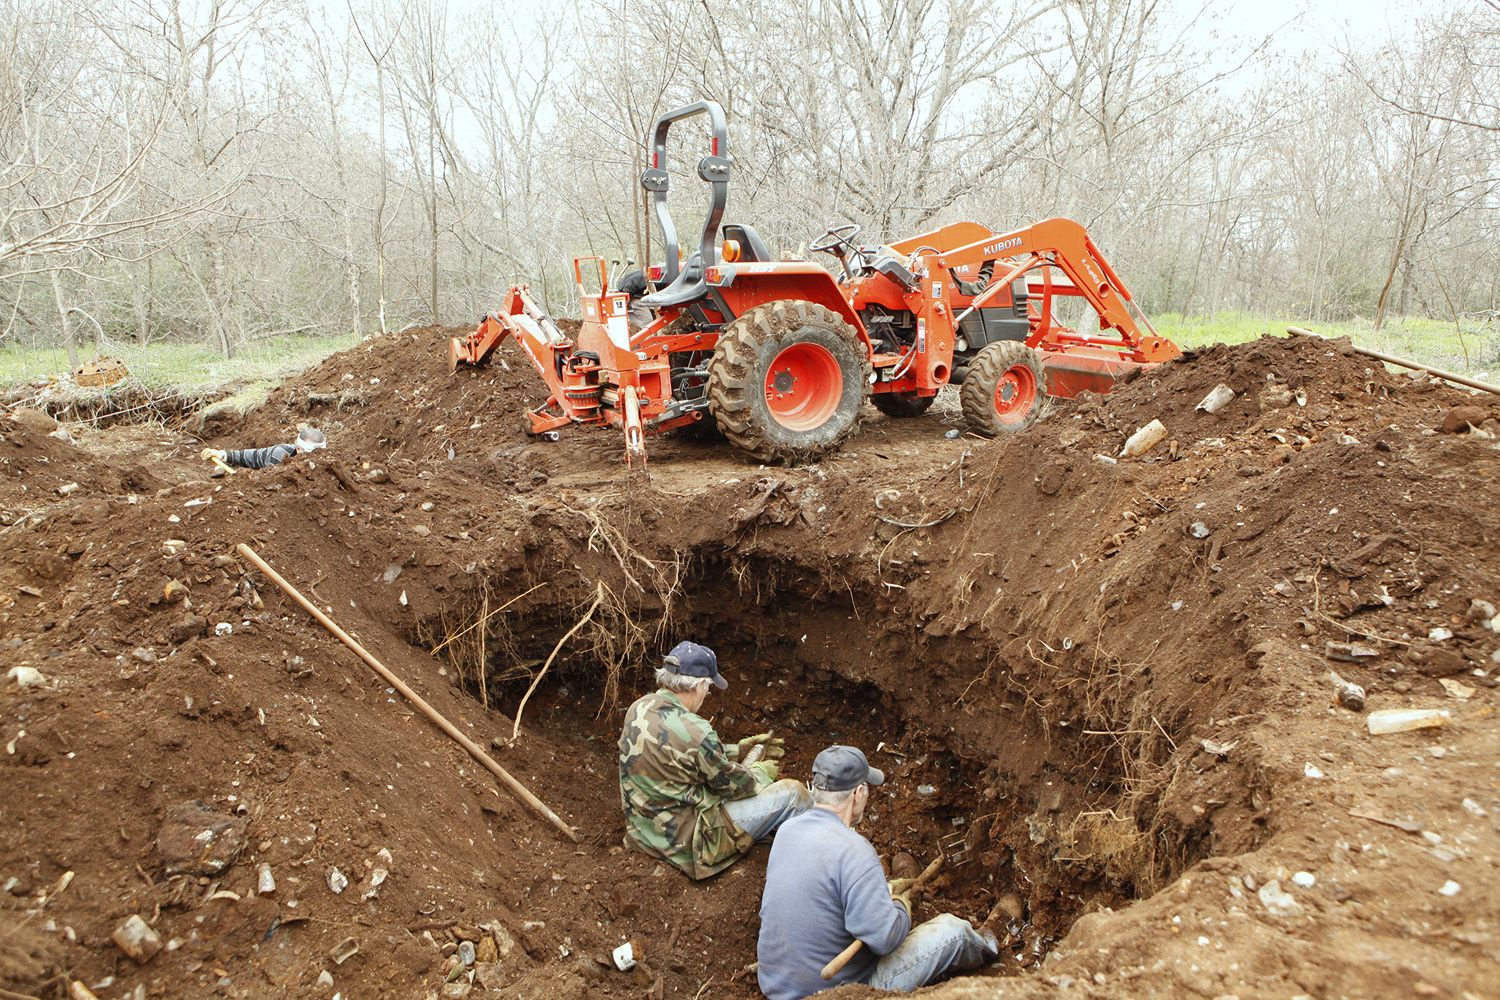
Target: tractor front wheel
787, 379
1004, 390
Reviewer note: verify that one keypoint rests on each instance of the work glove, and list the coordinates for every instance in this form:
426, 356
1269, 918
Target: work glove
213, 455
906, 893
775, 746
769, 768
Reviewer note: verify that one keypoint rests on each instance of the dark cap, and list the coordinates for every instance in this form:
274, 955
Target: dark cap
840, 768
693, 660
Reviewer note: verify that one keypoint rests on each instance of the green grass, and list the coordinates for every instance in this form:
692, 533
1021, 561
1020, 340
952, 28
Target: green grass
183, 366
1473, 351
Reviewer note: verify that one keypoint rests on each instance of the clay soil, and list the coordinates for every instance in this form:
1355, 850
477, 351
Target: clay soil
1103, 684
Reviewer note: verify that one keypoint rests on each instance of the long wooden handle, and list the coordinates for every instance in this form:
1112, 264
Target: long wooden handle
1464, 380
520, 790
842, 958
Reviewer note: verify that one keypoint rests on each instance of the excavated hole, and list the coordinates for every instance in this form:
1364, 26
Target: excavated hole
1021, 807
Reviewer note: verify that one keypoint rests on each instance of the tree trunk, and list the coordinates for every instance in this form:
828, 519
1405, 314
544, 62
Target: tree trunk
67, 323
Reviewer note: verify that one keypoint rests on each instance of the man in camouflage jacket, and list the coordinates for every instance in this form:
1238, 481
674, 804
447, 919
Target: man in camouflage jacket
687, 798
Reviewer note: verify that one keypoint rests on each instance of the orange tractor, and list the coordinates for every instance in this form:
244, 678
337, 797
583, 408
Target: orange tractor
779, 356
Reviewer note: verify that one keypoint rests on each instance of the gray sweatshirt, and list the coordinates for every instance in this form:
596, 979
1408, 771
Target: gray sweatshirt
259, 458
824, 887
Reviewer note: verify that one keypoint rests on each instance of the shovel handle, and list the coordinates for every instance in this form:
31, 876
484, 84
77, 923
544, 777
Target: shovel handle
842, 958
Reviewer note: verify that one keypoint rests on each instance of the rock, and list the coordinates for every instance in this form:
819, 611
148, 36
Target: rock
466, 952
1350, 652
953, 434
1439, 662
1480, 611
1278, 902
1439, 634
26, 677
1450, 888
1461, 418
195, 840
187, 627
489, 976
1199, 530
136, 939
337, 881
34, 420
1305, 880
421, 530
1311, 771
67, 489
454, 990
377, 476
145, 654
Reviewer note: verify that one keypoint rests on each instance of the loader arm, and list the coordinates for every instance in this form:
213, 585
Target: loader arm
1066, 246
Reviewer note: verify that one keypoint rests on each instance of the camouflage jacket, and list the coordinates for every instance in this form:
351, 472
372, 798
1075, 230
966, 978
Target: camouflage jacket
675, 777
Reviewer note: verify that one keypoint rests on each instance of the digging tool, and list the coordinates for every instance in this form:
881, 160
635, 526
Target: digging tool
1447, 376
842, 958
520, 790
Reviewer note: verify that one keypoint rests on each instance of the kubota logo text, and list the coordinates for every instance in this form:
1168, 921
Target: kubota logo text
1002, 245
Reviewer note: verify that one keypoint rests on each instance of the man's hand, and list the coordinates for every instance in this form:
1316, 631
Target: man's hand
767, 767
213, 455
906, 893
775, 746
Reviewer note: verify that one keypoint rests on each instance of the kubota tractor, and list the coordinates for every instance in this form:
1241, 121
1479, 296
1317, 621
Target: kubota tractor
779, 356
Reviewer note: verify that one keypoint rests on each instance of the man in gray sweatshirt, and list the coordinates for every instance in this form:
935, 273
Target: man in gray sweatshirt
825, 888
309, 439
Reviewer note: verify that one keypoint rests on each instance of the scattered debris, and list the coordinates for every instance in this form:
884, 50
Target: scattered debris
1144, 439
195, 840
1347, 693
1400, 720
1216, 400
1450, 888
1350, 652
26, 677
1199, 530
1217, 749
68, 489
1456, 689
337, 881
624, 957
1304, 880
1311, 771
1439, 634
344, 950
136, 939
265, 882
1277, 901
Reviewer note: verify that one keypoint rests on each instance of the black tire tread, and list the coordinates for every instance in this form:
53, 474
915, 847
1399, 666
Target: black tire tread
976, 396
730, 386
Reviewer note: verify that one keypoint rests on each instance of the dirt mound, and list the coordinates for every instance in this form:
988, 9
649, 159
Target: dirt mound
1100, 682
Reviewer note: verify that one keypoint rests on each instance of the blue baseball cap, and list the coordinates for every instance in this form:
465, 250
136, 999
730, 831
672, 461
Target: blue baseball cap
840, 768
693, 660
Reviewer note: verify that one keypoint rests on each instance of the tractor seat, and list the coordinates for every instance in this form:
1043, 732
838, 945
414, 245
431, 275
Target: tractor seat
896, 271
688, 286
753, 249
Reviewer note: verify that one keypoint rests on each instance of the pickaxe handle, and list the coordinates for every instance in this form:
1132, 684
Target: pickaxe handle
842, 958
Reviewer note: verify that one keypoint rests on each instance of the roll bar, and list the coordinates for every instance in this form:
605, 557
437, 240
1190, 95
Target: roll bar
684, 285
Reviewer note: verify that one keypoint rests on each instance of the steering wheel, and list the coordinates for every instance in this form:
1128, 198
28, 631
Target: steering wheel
835, 239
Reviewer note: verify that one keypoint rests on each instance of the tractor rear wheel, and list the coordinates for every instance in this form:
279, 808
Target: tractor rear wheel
900, 404
787, 379
1004, 390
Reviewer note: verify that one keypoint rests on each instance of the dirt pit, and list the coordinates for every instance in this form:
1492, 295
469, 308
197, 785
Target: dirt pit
1115, 673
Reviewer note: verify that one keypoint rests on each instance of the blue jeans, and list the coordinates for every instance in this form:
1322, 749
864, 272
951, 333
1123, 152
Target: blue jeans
761, 813
943, 944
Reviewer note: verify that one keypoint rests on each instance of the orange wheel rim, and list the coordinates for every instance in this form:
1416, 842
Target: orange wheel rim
803, 386
1015, 394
